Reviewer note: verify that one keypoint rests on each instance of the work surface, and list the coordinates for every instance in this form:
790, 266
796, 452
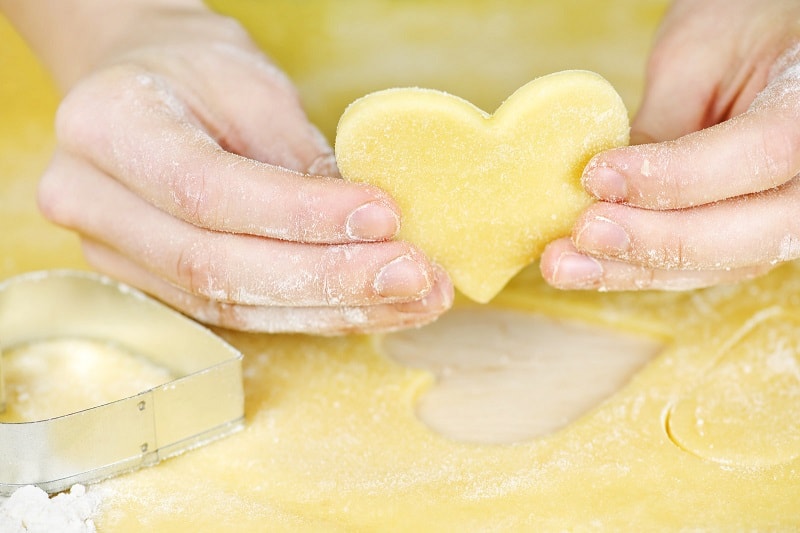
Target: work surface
545, 410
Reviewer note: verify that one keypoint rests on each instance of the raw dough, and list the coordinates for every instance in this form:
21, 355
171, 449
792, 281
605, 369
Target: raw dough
332, 440
482, 194
743, 411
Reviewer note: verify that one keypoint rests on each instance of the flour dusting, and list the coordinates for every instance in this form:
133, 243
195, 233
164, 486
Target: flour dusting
31, 510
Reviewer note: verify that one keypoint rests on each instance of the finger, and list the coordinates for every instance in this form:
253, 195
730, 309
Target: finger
563, 266
681, 77
316, 320
738, 233
670, 110
228, 267
754, 151
689, 88
249, 106
131, 125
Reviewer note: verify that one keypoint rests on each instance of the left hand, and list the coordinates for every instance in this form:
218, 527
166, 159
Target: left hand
187, 165
711, 193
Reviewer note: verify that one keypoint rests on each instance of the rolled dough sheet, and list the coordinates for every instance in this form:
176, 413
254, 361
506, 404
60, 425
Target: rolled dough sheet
333, 441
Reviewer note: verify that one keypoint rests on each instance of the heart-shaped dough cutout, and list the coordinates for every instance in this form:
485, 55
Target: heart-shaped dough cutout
482, 194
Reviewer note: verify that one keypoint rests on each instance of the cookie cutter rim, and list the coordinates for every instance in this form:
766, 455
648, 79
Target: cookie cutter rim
203, 402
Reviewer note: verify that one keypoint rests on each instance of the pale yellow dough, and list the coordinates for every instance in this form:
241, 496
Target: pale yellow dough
482, 194
704, 438
741, 411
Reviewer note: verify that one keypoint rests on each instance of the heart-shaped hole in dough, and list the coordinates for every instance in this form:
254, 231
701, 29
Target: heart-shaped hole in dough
745, 411
506, 376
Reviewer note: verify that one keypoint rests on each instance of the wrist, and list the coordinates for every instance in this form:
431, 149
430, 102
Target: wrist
73, 38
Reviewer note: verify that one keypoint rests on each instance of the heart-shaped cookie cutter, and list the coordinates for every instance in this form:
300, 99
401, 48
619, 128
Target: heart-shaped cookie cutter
204, 401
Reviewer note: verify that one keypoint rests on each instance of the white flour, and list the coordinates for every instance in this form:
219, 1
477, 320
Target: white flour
30, 509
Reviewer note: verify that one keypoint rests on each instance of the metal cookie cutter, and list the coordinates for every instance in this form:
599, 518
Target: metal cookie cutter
204, 402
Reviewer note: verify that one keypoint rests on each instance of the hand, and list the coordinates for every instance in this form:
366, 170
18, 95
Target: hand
190, 170
712, 197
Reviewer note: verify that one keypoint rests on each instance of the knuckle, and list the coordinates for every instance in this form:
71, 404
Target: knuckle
224, 315
77, 120
197, 272
353, 319
674, 253
777, 152
207, 311
73, 124
673, 190
645, 279
50, 200
195, 200
93, 255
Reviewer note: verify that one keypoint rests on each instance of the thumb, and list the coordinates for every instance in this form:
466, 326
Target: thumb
252, 109
678, 95
683, 80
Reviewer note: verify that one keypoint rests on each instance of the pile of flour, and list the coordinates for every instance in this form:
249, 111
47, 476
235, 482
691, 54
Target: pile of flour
30, 509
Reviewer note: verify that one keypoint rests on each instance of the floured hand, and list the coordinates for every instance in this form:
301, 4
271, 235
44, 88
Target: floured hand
711, 194
187, 165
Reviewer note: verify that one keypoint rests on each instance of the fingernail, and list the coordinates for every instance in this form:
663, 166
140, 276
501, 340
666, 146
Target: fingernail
374, 221
436, 301
324, 165
576, 270
603, 235
402, 278
605, 183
